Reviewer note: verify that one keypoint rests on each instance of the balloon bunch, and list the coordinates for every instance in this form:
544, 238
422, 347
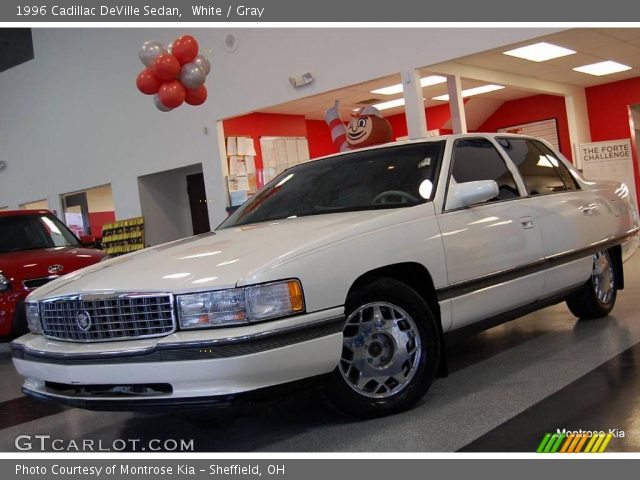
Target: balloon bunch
174, 75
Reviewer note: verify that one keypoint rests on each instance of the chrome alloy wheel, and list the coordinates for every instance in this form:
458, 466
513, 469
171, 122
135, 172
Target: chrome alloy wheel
381, 350
603, 277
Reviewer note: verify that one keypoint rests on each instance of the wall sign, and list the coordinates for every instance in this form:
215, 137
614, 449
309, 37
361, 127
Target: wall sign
610, 160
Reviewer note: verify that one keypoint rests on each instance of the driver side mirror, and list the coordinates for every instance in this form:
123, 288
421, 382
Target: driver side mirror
88, 241
470, 193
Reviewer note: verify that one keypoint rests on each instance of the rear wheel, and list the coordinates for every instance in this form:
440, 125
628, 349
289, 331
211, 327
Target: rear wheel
391, 348
598, 296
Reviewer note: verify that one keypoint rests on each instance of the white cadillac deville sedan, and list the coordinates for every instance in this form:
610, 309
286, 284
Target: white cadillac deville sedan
353, 269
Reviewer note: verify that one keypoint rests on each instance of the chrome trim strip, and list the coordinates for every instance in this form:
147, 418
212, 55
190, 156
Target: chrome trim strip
133, 352
492, 279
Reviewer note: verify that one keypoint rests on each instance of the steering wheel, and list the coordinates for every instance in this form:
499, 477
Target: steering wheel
386, 196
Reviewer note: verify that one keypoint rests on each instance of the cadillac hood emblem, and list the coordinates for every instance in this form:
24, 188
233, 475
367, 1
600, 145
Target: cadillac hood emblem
55, 268
83, 320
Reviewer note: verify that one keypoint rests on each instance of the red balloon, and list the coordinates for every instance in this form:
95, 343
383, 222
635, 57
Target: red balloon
147, 82
185, 49
171, 94
166, 67
197, 96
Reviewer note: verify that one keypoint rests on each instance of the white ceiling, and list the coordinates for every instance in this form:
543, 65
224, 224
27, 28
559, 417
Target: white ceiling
591, 44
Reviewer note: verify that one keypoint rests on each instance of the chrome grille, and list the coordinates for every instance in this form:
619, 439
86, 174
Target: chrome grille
100, 318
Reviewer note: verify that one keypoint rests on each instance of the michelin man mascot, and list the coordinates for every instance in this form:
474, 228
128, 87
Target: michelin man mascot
366, 128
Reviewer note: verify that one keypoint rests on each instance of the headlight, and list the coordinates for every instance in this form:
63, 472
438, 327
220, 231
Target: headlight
238, 306
4, 283
33, 317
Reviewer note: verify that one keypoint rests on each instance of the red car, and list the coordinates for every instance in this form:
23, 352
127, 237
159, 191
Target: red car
35, 248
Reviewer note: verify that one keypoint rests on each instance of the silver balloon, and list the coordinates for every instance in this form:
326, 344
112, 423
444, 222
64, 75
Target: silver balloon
170, 48
203, 63
192, 76
149, 51
159, 105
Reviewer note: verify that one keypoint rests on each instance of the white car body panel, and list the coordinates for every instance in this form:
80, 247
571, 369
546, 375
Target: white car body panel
483, 261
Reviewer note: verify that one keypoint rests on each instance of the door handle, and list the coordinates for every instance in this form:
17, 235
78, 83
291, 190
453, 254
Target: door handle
526, 222
589, 209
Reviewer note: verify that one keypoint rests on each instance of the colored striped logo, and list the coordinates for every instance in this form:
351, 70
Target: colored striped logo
574, 443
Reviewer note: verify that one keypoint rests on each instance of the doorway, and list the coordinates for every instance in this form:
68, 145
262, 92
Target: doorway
76, 213
198, 203
86, 211
173, 204
635, 128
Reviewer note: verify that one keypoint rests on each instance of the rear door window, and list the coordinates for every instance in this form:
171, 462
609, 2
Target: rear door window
541, 170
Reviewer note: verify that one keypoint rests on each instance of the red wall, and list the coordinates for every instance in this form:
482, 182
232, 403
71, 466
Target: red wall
319, 138
608, 107
265, 124
532, 109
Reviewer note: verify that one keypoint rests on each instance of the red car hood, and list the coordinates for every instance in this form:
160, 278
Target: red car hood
28, 264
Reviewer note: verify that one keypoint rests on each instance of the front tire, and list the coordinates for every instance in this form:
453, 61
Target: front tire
390, 354
598, 296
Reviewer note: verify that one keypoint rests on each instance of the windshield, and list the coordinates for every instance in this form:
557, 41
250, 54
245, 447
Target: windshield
393, 177
30, 232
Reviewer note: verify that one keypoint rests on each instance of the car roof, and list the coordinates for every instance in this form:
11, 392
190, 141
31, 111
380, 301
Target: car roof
438, 138
21, 213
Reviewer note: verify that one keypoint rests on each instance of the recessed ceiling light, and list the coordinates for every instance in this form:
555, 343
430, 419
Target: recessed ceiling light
540, 52
470, 92
398, 102
603, 68
424, 82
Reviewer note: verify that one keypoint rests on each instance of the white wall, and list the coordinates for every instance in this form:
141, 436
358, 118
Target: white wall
72, 117
165, 206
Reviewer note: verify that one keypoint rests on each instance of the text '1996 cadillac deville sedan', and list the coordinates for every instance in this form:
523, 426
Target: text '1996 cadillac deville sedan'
352, 269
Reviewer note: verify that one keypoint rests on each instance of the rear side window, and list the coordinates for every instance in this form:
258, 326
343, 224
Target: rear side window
560, 167
477, 159
541, 170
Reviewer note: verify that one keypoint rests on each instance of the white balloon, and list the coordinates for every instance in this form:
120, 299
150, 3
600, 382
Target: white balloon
192, 76
149, 51
159, 105
203, 63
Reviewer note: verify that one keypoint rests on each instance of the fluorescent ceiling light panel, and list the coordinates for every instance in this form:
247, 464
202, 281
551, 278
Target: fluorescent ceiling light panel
603, 68
398, 102
540, 52
424, 82
470, 92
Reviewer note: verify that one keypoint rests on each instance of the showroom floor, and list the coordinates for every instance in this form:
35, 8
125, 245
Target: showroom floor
508, 386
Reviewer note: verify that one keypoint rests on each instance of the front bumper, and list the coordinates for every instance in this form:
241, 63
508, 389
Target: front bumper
186, 369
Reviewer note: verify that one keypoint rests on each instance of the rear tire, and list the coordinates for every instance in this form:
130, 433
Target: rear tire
598, 296
390, 354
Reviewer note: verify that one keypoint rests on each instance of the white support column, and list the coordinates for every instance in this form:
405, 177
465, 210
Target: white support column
215, 173
456, 104
578, 123
414, 104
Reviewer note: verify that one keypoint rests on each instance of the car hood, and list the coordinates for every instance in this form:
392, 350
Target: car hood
221, 259
28, 264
